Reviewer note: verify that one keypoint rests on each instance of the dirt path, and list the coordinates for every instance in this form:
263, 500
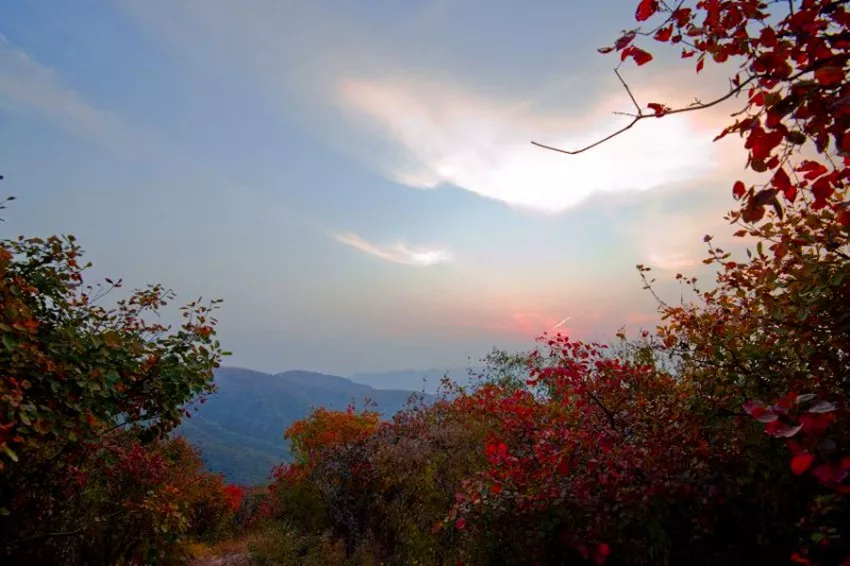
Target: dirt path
233, 559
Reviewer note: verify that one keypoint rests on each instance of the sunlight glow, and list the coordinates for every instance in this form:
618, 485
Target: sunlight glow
442, 136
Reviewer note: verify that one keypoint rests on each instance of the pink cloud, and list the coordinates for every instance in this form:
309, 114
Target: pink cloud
398, 252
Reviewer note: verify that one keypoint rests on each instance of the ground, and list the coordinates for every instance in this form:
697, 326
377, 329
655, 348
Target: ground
230, 559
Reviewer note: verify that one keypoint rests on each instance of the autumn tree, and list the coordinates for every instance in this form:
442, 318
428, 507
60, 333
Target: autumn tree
77, 376
770, 338
791, 74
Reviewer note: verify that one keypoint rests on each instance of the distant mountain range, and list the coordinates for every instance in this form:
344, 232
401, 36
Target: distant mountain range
413, 380
239, 429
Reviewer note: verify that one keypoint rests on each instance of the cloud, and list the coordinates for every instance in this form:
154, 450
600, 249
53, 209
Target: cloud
672, 261
398, 252
28, 86
425, 117
438, 134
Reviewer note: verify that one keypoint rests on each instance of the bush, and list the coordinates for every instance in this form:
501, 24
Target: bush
87, 397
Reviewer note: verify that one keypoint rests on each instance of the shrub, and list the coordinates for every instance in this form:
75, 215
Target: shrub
87, 396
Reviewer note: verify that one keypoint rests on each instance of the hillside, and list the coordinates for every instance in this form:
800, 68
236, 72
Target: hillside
239, 429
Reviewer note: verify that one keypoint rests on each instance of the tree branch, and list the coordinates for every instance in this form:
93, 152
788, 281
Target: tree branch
608, 414
640, 116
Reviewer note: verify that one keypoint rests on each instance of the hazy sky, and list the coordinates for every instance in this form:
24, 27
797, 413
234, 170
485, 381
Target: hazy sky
355, 179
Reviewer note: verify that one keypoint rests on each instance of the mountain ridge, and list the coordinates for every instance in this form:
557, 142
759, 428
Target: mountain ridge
239, 428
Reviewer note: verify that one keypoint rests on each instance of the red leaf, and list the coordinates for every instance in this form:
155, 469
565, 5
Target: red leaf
664, 34
802, 462
605, 50
768, 37
815, 423
646, 9
563, 467
624, 40
761, 143
659, 109
782, 182
790, 193
460, 524
822, 189
739, 189
682, 16
640, 56
829, 76
700, 64
812, 170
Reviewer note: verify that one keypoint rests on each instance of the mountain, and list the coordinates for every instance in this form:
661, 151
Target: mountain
412, 379
239, 429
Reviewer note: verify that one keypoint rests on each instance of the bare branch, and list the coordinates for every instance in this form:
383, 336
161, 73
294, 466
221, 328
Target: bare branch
591, 146
697, 105
628, 91
640, 116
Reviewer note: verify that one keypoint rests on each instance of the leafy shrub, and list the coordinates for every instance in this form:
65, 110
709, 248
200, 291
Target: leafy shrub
87, 396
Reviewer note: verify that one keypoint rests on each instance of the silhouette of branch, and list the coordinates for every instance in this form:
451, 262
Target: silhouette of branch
641, 115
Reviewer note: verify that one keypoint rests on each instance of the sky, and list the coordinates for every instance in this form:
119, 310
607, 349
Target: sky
355, 179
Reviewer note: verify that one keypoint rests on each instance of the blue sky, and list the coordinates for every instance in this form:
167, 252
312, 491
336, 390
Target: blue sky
355, 180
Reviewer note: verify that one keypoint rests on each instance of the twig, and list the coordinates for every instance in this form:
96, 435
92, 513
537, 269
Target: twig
697, 105
640, 116
608, 414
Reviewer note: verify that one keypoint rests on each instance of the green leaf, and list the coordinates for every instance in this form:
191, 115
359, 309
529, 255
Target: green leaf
9, 452
9, 342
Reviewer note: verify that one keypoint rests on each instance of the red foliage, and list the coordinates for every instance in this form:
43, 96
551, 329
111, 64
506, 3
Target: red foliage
794, 75
806, 421
592, 432
234, 495
325, 429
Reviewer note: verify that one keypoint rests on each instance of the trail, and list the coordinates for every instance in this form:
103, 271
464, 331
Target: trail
231, 559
